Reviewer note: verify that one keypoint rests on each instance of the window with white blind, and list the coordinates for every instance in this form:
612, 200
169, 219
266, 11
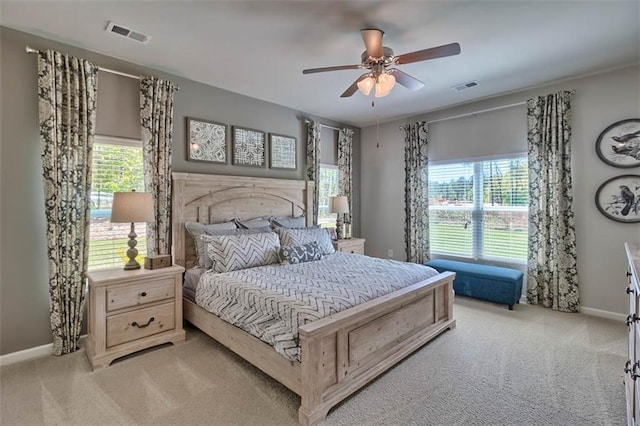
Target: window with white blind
117, 167
328, 187
479, 209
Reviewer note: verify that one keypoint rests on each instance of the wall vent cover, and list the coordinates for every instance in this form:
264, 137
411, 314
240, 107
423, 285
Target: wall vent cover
465, 86
114, 28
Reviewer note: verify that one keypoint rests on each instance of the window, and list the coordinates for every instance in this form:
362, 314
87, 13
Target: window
479, 209
117, 167
328, 187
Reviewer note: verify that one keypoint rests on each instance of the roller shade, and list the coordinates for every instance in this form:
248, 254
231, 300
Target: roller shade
492, 134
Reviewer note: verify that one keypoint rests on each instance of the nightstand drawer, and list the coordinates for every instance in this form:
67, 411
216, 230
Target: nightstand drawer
356, 248
134, 325
139, 294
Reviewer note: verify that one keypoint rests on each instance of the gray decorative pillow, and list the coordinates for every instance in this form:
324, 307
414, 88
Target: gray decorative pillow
289, 221
259, 222
196, 229
300, 254
233, 252
237, 231
300, 237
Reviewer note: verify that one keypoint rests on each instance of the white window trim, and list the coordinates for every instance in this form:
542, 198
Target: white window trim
329, 166
477, 159
114, 140
476, 247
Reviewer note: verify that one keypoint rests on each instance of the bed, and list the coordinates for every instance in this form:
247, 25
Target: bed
340, 353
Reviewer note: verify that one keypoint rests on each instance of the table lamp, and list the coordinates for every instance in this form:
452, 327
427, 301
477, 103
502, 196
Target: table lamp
339, 205
131, 207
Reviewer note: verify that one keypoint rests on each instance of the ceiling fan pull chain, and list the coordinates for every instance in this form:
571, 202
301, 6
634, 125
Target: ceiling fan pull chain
377, 130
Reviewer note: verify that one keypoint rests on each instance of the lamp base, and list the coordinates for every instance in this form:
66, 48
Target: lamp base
132, 265
132, 252
339, 229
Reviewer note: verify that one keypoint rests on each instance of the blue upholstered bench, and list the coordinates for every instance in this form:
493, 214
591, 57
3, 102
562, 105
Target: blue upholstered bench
499, 285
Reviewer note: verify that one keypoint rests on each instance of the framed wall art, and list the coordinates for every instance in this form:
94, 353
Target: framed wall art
206, 141
282, 152
619, 198
619, 144
248, 147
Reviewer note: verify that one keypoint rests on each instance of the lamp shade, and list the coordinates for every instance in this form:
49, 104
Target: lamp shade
339, 204
365, 85
384, 85
129, 207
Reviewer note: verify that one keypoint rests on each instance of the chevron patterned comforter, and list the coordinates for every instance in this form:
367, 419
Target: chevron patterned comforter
271, 302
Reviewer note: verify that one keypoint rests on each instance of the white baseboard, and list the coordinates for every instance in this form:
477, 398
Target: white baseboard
593, 312
603, 314
32, 353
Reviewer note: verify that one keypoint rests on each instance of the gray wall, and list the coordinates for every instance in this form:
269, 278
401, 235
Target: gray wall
24, 299
600, 100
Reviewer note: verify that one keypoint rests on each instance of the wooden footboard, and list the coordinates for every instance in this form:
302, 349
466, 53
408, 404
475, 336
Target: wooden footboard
345, 351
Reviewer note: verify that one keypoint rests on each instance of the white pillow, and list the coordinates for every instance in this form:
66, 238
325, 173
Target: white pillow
196, 229
259, 222
233, 252
300, 237
289, 221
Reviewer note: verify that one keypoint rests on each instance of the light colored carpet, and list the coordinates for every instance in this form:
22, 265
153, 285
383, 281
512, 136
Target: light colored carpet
530, 366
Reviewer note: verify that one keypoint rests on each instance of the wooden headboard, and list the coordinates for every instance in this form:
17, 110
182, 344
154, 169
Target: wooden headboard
217, 198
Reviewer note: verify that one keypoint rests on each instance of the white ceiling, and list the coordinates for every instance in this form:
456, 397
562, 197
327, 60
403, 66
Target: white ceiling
259, 48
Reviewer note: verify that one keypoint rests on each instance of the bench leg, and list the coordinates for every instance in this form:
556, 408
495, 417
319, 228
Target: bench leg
511, 307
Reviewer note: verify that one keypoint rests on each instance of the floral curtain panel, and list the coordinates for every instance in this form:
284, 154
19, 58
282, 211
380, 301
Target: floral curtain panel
156, 117
551, 267
67, 89
345, 174
313, 163
416, 192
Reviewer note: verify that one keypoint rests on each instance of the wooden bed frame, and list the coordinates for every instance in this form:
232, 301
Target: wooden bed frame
340, 353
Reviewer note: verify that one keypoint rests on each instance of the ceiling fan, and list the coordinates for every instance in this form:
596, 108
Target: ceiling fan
379, 59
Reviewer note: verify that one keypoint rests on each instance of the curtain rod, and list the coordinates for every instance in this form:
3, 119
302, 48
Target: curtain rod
124, 74
473, 113
323, 125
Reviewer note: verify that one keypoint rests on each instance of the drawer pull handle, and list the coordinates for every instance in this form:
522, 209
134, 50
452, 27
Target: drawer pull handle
143, 294
135, 324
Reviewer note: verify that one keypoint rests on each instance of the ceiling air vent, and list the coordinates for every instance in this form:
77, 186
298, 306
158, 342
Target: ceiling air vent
464, 86
128, 33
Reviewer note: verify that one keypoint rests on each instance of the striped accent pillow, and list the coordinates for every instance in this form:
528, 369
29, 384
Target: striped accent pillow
302, 236
233, 252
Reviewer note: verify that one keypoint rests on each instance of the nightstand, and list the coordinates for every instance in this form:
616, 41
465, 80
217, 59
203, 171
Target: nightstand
350, 245
132, 310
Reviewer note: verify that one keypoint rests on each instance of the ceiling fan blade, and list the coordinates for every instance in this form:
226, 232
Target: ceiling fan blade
337, 68
353, 88
372, 38
406, 80
432, 53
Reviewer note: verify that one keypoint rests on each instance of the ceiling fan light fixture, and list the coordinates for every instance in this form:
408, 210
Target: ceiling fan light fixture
385, 83
366, 84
